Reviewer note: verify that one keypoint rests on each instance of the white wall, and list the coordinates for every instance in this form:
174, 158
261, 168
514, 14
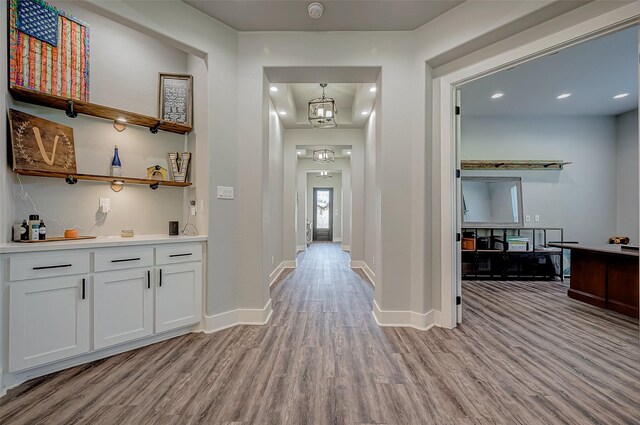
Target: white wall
627, 175
582, 197
276, 187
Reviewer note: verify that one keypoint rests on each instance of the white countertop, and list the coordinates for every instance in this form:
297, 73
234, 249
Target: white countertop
99, 242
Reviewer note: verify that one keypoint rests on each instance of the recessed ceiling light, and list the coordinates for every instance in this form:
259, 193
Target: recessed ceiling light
348, 152
283, 113
273, 89
299, 152
364, 113
621, 95
497, 95
373, 89
563, 96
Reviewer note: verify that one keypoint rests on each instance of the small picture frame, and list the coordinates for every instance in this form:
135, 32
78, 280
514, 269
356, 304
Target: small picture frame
175, 98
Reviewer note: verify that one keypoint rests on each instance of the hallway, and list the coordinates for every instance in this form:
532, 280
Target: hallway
526, 355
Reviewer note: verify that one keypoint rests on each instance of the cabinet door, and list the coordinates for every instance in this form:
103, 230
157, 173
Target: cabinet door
123, 306
48, 320
178, 296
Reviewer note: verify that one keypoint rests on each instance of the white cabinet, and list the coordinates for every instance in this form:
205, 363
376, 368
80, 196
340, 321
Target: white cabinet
48, 320
178, 295
122, 307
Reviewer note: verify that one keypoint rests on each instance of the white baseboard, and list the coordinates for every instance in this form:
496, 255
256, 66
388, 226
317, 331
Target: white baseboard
301, 248
242, 316
11, 380
275, 274
403, 319
365, 268
346, 248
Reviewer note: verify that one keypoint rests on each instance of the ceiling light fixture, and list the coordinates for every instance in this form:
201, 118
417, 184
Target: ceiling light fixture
299, 152
497, 95
621, 95
564, 96
364, 113
322, 111
273, 89
373, 89
324, 156
283, 113
348, 152
315, 10
324, 174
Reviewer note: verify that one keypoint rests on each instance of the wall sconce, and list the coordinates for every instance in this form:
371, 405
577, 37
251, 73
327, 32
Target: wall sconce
117, 185
120, 124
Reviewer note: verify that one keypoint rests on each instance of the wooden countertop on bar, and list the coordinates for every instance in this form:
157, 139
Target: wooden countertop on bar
610, 249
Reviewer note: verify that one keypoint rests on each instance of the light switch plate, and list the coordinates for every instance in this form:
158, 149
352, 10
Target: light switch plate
527, 218
105, 205
537, 218
225, 192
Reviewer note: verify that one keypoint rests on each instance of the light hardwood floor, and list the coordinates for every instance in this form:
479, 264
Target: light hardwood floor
526, 354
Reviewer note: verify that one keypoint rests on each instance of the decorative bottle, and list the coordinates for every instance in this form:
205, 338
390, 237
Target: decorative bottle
42, 231
116, 166
24, 231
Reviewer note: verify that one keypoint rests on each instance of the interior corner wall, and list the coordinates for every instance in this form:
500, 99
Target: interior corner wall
581, 198
627, 175
276, 187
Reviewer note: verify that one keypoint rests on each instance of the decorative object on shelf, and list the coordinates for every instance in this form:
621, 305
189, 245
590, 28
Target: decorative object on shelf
513, 164
73, 108
180, 165
116, 165
127, 233
48, 50
322, 111
174, 228
175, 98
41, 145
71, 233
619, 240
157, 172
324, 156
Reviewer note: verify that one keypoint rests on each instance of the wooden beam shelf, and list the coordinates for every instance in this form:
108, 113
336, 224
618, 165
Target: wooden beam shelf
509, 164
92, 109
94, 177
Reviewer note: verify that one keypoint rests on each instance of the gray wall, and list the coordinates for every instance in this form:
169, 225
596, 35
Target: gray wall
582, 197
627, 175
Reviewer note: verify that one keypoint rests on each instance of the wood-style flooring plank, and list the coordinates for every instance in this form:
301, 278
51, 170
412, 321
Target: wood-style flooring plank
525, 354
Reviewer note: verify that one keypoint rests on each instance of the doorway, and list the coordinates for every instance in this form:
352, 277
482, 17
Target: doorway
323, 214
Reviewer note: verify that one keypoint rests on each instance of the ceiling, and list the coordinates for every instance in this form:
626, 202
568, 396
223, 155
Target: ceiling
593, 71
292, 15
354, 102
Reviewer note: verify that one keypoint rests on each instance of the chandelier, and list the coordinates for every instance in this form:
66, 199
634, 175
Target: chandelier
322, 111
323, 156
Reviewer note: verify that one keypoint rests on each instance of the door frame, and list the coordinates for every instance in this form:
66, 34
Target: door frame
315, 206
444, 87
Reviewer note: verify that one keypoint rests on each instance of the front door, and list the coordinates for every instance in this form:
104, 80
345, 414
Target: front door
322, 214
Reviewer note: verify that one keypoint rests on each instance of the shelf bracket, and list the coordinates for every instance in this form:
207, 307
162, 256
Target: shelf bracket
71, 113
71, 180
154, 129
154, 186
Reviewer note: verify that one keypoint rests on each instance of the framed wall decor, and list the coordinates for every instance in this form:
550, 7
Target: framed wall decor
175, 98
41, 145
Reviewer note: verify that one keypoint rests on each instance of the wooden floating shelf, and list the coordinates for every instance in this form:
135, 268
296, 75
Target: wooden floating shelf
109, 179
551, 164
92, 109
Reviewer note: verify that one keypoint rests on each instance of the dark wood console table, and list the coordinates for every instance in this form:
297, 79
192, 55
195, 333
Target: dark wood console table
605, 276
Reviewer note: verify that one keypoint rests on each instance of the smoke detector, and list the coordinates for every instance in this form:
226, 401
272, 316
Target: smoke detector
315, 10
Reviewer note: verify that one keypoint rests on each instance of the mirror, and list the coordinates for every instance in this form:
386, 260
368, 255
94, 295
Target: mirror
492, 201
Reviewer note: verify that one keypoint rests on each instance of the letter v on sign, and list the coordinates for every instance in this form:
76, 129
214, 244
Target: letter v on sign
43, 152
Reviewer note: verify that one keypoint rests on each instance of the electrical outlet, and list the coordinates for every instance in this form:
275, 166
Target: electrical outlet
537, 218
527, 218
105, 205
192, 207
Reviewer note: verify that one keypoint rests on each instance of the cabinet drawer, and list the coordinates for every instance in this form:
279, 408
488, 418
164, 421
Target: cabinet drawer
47, 264
107, 259
178, 253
